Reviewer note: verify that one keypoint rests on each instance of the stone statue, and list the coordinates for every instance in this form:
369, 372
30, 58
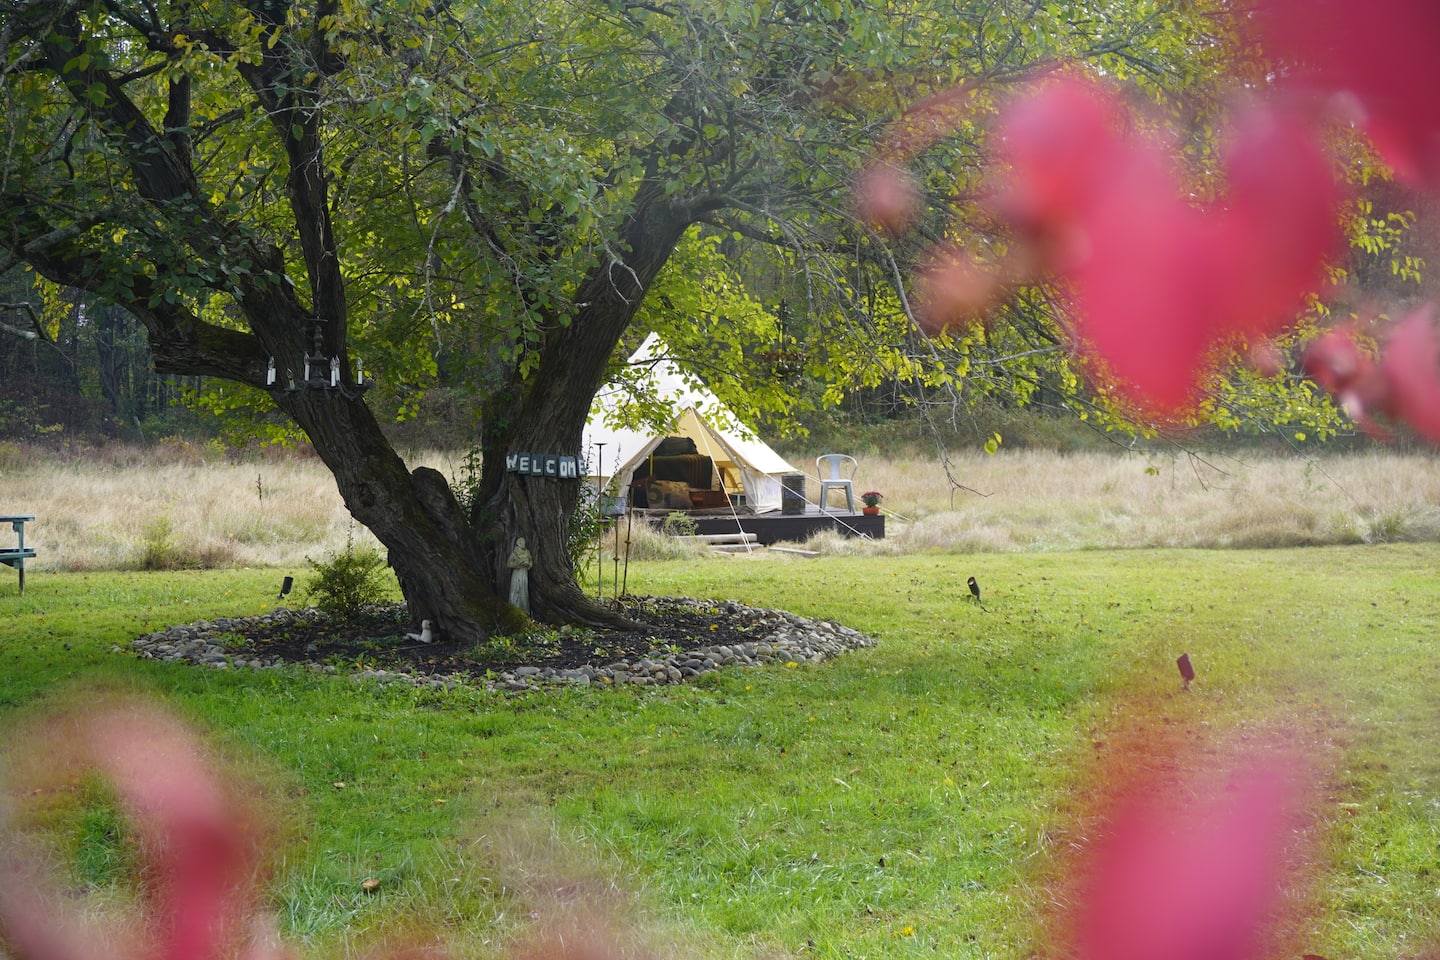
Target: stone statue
520, 563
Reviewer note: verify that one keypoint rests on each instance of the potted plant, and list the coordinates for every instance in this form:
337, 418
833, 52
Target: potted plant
872, 499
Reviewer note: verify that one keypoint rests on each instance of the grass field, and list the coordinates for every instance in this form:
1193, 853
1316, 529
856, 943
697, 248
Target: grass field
920, 798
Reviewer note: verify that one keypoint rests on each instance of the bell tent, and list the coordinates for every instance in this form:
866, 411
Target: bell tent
704, 449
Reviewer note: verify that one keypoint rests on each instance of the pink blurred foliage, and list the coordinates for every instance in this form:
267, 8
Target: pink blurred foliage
199, 843
1401, 385
886, 195
1195, 870
1279, 224
202, 843
1381, 53
1156, 282
1377, 56
1098, 205
952, 289
1062, 141
1412, 371
1192, 871
887, 198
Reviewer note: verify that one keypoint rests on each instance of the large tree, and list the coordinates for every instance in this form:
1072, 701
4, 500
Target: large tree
268, 180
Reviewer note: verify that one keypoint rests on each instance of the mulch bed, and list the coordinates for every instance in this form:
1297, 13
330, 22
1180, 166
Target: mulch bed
376, 639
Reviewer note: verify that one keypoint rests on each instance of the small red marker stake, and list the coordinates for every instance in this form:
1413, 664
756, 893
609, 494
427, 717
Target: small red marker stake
1187, 672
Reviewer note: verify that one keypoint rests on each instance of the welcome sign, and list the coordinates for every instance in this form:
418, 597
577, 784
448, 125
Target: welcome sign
543, 465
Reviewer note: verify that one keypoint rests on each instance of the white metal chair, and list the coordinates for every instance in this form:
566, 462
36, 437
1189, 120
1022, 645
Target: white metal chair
836, 471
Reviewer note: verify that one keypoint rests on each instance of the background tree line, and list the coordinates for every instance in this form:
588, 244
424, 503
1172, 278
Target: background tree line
78, 368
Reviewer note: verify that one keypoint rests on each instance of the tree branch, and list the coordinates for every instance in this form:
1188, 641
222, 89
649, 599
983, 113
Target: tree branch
290, 104
38, 333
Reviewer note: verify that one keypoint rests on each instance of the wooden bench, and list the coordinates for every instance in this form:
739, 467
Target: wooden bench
17, 555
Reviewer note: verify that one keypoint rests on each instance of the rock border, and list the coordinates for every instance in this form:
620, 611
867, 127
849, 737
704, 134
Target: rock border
787, 638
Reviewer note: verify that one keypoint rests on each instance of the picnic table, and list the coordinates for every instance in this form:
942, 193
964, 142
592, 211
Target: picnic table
17, 555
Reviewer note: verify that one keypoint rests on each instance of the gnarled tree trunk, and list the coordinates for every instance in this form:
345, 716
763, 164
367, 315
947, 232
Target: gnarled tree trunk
430, 542
453, 568
553, 405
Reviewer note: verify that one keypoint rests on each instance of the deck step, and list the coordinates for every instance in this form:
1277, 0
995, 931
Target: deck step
717, 538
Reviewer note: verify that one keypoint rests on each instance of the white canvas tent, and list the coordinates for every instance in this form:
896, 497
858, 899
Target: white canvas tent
745, 464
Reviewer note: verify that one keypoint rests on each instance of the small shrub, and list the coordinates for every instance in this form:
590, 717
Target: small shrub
588, 526
12, 456
232, 641
466, 479
678, 524
159, 550
523, 647
1385, 527
349, 580
641, 541
179, 452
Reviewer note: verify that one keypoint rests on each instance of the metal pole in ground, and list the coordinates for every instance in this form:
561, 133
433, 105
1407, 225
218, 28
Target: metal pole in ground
599, 550
629, 524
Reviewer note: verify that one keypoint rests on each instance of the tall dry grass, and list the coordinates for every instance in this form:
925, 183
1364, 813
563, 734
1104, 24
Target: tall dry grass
1030, 500
174, 506
180, 505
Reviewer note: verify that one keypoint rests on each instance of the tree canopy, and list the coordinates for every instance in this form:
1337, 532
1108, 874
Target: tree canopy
294, 196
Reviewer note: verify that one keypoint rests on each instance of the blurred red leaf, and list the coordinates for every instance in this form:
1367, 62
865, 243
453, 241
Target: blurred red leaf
1157, 281
952, 290
886, 198
1279, 221
1061, 144
886, 195
1411, 366
1403, 386
1336, 362
1380, 51
195, 838
1197, 878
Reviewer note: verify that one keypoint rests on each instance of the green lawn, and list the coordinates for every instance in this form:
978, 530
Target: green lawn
914, 798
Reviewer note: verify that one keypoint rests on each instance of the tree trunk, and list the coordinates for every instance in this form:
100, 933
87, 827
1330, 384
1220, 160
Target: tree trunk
539, 509
453, 568
547, 412
431, 544
108, 333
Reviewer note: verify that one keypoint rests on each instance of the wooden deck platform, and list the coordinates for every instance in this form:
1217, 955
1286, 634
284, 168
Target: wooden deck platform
771, 528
